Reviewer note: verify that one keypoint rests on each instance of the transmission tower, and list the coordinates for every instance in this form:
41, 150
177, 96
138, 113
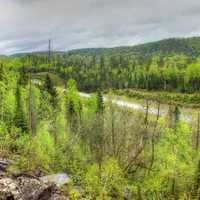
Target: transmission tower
49, 49
49, 53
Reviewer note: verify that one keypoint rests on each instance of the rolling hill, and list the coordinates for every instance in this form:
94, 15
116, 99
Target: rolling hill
187, 46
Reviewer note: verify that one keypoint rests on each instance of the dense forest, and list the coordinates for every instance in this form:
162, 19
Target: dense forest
169, 65
110, 152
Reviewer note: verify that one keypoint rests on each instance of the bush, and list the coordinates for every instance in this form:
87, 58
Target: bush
39, 152
106, 182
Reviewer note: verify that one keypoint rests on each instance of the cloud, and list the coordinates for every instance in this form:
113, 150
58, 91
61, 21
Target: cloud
26, 25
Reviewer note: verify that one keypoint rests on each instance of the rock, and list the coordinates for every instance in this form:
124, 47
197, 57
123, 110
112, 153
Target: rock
26, 188
58, 179
9, 190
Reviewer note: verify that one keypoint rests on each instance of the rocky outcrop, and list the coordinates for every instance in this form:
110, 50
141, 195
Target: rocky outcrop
26, 187
58, 179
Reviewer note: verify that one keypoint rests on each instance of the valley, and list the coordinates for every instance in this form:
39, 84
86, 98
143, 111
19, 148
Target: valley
122, 123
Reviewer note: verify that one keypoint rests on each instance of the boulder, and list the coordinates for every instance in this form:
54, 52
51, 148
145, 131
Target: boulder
26, 188
57, 179
9, 190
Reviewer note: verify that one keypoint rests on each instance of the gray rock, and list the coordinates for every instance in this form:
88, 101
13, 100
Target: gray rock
58, 179
26, 188
9, 189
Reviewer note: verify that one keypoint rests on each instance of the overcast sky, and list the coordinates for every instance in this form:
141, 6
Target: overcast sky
26, 25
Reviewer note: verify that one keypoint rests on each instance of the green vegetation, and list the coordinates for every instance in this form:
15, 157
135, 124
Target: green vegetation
168, 65
171, 98
110, 152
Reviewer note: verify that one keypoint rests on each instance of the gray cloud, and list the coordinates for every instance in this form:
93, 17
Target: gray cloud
26, 25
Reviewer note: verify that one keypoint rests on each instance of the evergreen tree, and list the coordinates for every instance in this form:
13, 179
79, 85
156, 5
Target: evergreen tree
73, 104
3, 88
2, 72
176, 114
49, 86
100, 103
20, 119
71, 113
32, 117
23, 79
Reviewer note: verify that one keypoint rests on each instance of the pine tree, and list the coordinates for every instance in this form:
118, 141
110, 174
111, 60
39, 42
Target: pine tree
31, 109
48, 83
73, 105
100, 103
23, 79
176, 114
71, 114
51, 90
3, 88
2, 73
20, 120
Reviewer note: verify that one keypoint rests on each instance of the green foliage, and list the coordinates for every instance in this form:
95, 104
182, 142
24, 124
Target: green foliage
107, 183
183, 99
39, 153
23, 79
174, 169
109, 151
20, 118
51, 90
73, 104
100, 104
45, 111
161, 65
92, 104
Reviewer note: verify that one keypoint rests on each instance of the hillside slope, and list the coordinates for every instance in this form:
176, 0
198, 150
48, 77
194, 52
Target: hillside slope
187, 46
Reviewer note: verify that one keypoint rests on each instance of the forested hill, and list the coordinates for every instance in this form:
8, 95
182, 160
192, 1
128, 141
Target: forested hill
171, 64
187, 46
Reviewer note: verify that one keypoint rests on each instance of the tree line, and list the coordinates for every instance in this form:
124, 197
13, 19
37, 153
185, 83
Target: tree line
174, 72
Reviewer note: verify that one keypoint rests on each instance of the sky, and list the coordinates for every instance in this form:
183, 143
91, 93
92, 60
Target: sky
27, 25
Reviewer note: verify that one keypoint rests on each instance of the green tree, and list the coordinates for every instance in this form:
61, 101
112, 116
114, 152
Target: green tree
49, 86
73, 105
174, 167
100, 103
20, 119
23, 78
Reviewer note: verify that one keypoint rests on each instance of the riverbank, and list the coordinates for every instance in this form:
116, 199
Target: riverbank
170, 98
185, 113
